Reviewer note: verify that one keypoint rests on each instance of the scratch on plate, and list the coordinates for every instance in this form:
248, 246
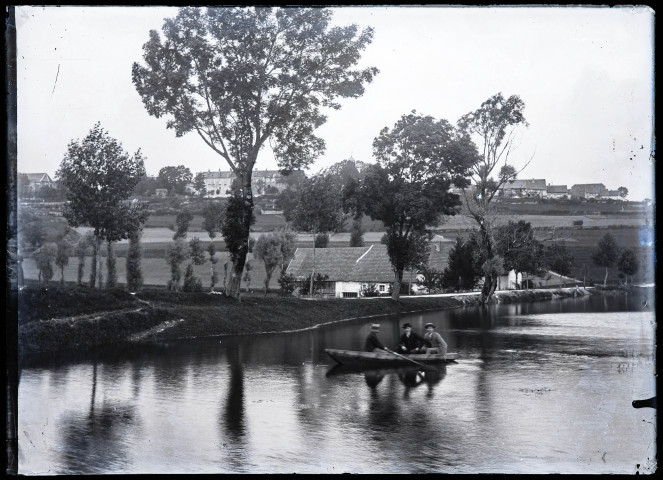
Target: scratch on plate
56, 79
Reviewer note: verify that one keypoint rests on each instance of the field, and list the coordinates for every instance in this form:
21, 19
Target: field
551, 220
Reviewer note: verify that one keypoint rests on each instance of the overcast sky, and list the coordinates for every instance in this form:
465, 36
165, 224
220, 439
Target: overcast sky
585, 75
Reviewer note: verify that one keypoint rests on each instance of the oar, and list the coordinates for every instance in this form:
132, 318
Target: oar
429, 367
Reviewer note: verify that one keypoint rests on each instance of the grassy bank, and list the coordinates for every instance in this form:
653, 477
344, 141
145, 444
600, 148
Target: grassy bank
57, 319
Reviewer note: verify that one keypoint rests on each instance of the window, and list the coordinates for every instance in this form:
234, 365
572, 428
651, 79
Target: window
350, 294
382, 288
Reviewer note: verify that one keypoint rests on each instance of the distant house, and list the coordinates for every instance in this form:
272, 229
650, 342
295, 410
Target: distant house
36, 181
161, 192
611, 195
524, 188
349, 269
217, 184
588, 190
557, 191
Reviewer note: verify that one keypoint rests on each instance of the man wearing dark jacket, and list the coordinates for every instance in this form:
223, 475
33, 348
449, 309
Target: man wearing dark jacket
410, 342
372, 341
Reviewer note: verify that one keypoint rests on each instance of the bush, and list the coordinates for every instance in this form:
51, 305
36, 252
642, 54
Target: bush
369, 290
288, 283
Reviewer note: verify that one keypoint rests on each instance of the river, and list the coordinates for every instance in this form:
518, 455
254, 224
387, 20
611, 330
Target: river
542, 387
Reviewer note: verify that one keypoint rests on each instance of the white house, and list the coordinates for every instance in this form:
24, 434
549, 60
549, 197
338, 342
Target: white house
524, 188
349, 269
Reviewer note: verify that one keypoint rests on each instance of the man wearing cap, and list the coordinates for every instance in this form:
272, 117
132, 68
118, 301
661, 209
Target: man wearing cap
372, 341
410, 342
434, 341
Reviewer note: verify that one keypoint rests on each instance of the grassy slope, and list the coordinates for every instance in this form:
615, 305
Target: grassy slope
74, 318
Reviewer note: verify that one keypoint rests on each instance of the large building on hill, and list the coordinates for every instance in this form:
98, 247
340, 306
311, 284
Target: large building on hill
218, 183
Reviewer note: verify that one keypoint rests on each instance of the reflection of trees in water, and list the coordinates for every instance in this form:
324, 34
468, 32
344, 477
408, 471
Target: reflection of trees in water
96, 442
232, 421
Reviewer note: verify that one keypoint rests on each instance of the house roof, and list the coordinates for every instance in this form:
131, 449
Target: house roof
591, 188
357, 264
532, 184
38, 177
557, 189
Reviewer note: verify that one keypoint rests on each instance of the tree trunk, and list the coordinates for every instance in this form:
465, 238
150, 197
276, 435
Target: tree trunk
489, 286
313, 269
111, 280
93, 265
398, 280
605, 279
244, 224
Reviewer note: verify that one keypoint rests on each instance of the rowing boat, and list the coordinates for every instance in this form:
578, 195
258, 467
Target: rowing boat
384, 359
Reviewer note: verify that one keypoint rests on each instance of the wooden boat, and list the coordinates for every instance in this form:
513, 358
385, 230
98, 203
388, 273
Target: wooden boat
384, 359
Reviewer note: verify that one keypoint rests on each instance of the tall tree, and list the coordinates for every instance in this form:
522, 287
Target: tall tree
240, 76
559, 259
606, 253
199, 184
461, 271
268, 249
213, 217
493, 126
174, 179
420, 159
319, 210
520, 250
99, 176
628, 263
182, 222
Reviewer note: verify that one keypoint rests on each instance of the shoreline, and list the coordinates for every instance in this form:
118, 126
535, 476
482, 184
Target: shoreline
74, 319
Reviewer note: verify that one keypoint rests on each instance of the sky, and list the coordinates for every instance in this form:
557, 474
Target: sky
585, 74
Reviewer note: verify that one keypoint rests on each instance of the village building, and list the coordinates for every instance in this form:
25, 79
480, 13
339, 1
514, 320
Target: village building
557, 191
217, 184
351, 270
587, 190
36, 181
524, 188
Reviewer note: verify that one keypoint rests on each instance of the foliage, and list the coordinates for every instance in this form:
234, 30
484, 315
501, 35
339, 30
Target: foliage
558, 259
288, 241
606, 253
199, 184
239, 77
183, 220
213, 215
31, 228
44, 256
321, 240
174, 179
64, 250
462, 271
176, 253
420, 159
268, 249
247, 274
318, 282
83, 245
623, 192
196, 251
628, 263
98, 175
357, 234
493, 127
191, 282
516, 244
288, 283
431, 279
146, 186
134, 257
369, 290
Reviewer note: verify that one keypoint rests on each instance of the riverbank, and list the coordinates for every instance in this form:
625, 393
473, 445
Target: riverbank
75, 318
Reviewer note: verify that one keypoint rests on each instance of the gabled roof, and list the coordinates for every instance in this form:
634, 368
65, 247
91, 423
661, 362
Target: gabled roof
357, 264
592, 188
532, 184
557, 189
38, 177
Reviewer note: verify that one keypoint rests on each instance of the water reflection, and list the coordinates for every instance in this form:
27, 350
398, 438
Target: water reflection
534, 389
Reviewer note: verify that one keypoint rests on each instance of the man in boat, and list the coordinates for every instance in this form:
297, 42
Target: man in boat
410, 342
434, 341
373, 343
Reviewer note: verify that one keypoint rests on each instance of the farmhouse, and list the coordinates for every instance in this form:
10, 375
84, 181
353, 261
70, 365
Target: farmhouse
588, 190
524, 188
349, 270
557, 191
35, 181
